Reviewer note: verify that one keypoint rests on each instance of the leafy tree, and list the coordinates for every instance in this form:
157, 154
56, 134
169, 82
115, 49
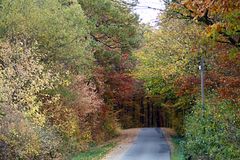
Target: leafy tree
220, 18
44, 64
220, 41
58, 32
215, 134
167, 55
22, 125
114, 33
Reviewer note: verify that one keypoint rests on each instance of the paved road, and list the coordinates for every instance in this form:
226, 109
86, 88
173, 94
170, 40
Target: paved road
149, 145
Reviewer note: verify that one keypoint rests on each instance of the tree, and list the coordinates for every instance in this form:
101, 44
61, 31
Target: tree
220, 17
115, 33
45, 70
57, 32
23, 124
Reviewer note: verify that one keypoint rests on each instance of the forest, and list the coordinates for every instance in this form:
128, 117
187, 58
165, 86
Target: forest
75, 72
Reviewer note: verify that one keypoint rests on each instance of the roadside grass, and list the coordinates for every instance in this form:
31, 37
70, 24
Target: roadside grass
95, 153
177, 153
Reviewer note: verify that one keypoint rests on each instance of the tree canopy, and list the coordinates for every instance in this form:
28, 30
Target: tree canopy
72, 72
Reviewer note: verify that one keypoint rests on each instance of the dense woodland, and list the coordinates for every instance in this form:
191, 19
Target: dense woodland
73, 72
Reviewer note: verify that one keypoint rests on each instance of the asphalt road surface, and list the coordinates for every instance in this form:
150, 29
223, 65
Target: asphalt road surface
149, 145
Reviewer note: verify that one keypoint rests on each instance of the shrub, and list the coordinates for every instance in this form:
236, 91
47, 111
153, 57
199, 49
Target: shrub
23, 132
215, 133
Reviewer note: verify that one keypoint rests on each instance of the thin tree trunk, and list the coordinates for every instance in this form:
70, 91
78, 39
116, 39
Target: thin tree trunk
152, 114
142, 111
148, 113
158, 117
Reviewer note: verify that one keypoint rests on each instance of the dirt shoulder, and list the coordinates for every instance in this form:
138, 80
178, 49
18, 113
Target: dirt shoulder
124, 142
168, 133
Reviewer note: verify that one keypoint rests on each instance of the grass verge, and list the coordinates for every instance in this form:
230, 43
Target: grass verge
177, 153
95, 153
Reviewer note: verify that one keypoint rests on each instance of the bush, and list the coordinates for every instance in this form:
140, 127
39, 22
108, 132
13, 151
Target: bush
36, 123
20, 138
215, 133
23, 130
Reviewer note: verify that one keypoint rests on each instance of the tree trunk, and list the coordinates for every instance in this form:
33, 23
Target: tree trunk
142, 111
152, 114
148, 113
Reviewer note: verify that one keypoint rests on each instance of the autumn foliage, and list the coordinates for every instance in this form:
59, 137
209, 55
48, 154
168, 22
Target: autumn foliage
72, 72
168, 63
64, 67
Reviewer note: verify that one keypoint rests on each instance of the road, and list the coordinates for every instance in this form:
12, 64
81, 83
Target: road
150, 144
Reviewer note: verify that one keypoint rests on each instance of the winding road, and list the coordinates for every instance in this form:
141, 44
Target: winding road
150, 144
